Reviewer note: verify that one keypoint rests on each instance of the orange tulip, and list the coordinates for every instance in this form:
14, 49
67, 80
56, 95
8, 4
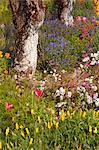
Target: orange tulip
7, 55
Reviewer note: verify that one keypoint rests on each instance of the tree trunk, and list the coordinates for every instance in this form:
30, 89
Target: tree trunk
65, 9
28, 16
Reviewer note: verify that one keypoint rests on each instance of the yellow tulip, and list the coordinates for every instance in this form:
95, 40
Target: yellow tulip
68, 113
37, 130
95, 130
11, 144
27, 131
1, 54
62, 116
22, 133
84, 114
49, 125
39, 119
7, 131
57, 125
17, 126
90, 129
0, 145
32, 111
80, 113
21, 126
31, 141
8, 146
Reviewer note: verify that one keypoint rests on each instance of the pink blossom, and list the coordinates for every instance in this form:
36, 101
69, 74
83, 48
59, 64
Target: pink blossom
84, 19
86, 59
87, 86
84, 55
94, 20
8, 106
87, 65
69, 94
38, 92
78, 18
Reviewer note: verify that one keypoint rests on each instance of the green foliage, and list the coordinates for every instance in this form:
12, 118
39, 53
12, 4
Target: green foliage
5, 12
70, 130
83, 9
5, 18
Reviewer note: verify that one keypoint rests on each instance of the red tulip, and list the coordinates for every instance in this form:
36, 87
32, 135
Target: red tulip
38, 92
8, 106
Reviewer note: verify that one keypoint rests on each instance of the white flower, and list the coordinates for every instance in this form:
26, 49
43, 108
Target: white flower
45, 71
89, 99
54, 70
94, 88
61, 97
86, 79
54, 75
69, 94
57, 93
92, 77
51, 72
81, 94
97, 102
93, 62
98, 62
95, 96
59, 79
90, 80
55, 79
60, 104
60, 76
92, 55
83, 89
96, 56
81, 66
62, 91
63, 71
86, 59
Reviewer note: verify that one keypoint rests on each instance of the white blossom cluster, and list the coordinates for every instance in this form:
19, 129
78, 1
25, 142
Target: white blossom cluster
60, 93
90, 91
91, 60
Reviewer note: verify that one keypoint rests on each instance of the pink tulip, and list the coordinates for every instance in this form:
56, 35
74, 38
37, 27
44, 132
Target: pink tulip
84, 19
8, 106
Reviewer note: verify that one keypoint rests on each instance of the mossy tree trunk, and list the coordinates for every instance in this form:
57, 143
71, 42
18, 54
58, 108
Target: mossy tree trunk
28, 16
65, 9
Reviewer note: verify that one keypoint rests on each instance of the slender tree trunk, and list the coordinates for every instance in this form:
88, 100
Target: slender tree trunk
65, 9
28, 16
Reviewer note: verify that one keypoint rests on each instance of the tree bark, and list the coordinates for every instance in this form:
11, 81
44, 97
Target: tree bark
65, 9
28, 16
